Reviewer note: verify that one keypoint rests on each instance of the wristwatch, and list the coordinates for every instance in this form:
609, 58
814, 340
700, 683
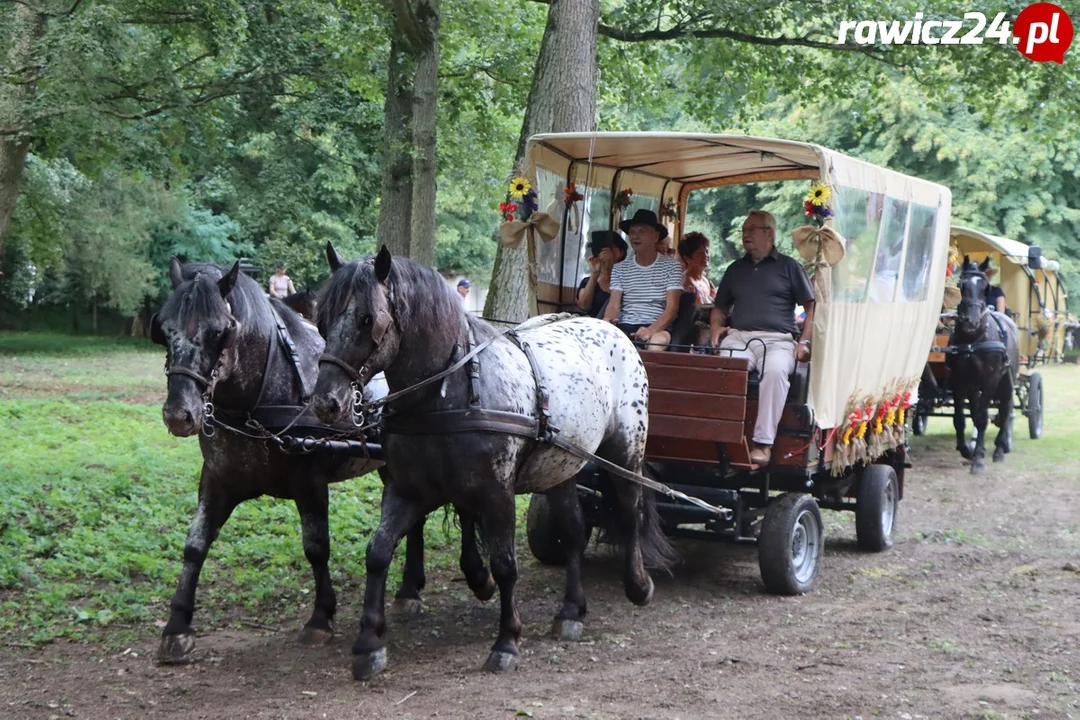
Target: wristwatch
805, 342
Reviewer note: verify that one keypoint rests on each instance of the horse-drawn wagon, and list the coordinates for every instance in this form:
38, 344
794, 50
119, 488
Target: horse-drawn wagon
1036, 302
841, 439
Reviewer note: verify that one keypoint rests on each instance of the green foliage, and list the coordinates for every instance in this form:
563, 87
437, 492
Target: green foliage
99, 496
255, 129
1018, 176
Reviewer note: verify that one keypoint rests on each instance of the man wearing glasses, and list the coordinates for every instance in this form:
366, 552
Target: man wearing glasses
759, 292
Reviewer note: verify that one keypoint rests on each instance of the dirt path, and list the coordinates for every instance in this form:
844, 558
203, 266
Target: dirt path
974, 613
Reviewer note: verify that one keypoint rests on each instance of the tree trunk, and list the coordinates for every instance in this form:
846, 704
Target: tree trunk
424, 116
562, 99
395, 207
15, 99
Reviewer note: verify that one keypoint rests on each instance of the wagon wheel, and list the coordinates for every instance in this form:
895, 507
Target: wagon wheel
875, 511
1035, 407
790, 544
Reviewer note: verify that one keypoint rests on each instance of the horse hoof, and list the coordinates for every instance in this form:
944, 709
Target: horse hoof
567, 630
408, 607
488, 591
365, 667
965, 451
174, 649
978, 468
999, 456
499, 662
315, 636
639, 598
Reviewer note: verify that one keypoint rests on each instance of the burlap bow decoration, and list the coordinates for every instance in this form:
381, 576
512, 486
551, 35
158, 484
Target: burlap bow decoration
951, 298
822, 247
511, 233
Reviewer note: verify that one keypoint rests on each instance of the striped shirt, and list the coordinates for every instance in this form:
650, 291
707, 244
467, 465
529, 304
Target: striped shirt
645, 288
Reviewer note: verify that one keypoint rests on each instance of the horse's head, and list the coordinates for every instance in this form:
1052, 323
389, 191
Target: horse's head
199, 332
971, 312
356, 316
305, 303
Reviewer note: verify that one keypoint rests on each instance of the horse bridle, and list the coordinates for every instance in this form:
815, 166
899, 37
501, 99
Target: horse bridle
206, 382
381, 322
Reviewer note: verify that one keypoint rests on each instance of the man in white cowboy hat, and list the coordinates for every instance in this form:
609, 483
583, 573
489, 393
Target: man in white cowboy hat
645, 289
759, 292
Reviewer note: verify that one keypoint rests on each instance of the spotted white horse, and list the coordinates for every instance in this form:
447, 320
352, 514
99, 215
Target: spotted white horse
460, 440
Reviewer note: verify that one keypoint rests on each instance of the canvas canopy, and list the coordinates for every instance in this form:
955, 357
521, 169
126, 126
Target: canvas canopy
1034, 297
870, 339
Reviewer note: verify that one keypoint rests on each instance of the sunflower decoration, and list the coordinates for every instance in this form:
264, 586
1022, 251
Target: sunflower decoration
520, 187
816, 203
521, 200
819, 194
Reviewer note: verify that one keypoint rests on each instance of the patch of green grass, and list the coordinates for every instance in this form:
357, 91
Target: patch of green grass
945, 645
98, 500
56, 344
1061, 423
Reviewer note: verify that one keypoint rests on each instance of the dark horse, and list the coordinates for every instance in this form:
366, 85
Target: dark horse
224, 345
983, 358
304, 302
454, 441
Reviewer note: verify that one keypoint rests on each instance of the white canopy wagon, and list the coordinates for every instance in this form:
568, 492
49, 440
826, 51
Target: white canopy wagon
878, 269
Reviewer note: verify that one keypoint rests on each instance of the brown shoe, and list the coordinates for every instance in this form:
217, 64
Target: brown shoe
761, 454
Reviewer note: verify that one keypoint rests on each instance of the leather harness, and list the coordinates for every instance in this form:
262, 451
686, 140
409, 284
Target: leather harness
260, 416
478, 419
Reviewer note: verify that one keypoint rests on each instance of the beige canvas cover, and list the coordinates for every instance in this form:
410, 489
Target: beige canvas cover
1036, 298
870, 340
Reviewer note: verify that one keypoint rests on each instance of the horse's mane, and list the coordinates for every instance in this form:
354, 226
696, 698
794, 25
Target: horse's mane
419, 296
202, 299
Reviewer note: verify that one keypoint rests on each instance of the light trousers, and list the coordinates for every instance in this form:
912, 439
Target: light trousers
772, 354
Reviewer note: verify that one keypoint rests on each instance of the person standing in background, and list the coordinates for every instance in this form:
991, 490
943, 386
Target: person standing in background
280, 283
463, 287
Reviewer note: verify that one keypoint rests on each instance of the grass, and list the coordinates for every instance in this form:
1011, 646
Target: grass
99, 497
1061, 425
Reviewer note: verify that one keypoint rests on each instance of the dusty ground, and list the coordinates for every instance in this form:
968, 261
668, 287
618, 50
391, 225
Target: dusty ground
974, 613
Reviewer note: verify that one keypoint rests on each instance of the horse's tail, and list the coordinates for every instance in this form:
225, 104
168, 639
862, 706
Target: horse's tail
656, 552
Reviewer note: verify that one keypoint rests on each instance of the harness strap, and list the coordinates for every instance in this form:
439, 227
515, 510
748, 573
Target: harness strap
423, 383
474, 369
205, 382
445, 422
354, 375
542, 396
508, 423
266, 372
290, 346
984, 346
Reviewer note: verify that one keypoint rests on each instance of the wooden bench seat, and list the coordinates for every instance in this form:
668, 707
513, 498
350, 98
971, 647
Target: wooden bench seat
697, 403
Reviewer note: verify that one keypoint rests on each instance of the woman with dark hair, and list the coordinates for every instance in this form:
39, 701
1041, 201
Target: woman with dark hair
694, 255
605, 249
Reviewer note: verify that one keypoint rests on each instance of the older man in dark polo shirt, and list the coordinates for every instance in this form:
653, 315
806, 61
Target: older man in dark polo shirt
759, 291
